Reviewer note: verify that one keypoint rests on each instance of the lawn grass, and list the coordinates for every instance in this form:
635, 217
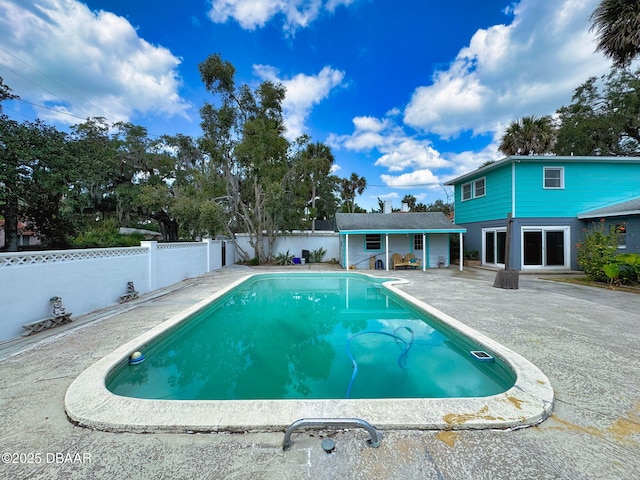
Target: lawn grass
583, 280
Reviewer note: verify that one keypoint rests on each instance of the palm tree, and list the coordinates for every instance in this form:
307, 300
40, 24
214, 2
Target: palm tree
350, 187
410, 200
617, 26
528, 136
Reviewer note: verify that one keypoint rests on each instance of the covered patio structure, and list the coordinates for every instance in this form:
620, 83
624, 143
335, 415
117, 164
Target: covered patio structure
370, 240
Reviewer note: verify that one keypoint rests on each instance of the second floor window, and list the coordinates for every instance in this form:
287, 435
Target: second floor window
474, 189
466, 191
553, 177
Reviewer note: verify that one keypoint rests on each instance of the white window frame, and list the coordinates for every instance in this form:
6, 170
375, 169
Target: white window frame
543, 229
418, 240
473, 189
367, 242
544, 178
462, 192
495, 231
621, 231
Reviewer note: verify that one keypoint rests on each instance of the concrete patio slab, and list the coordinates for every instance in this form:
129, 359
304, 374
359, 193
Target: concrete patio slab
585, 340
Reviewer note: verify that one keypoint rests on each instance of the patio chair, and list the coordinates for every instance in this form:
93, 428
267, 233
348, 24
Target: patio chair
404, 262
411, 261
396, 258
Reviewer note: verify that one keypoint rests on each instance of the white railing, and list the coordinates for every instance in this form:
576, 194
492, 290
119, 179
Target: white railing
180, 245
54, 256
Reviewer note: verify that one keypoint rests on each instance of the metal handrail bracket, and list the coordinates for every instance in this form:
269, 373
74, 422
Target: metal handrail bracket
374, 441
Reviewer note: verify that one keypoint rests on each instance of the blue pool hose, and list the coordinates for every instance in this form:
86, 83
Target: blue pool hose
402, 359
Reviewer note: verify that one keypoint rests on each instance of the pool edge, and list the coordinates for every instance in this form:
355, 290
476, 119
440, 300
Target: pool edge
88, 403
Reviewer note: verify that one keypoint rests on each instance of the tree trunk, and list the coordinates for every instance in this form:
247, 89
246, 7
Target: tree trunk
11, 224
168, 226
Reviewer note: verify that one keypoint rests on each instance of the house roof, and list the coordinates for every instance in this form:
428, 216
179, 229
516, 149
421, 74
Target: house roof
22, 228
541, 159
410, 222
628, 207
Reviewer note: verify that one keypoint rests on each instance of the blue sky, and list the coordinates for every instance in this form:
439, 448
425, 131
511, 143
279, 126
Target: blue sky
408, 93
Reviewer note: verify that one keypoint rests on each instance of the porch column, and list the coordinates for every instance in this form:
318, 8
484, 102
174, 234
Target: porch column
461, 252
346, 249
386, 251
424, 252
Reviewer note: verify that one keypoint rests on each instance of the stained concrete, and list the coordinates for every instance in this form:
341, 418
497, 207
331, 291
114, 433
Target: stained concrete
586, 341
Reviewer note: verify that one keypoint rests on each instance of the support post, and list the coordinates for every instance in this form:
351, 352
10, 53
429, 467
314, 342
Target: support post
461, 251
152, 252
424, 252
346, 251
507, 278
386, 250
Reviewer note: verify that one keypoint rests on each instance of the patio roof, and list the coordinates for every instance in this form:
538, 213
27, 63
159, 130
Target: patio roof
398, 223
629, 207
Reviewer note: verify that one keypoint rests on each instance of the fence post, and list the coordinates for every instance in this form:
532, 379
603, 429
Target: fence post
152, 253
209, 256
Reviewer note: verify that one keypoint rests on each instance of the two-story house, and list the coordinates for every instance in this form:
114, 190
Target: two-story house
551, 201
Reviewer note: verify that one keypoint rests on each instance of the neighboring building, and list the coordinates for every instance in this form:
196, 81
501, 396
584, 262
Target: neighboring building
380, 235
26, 238
551, 200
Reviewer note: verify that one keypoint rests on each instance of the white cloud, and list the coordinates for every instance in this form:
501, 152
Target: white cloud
387, 196
423, 177
468, 160
530, 66
85, 63
252, 14
303, 92
331, 5
398, 151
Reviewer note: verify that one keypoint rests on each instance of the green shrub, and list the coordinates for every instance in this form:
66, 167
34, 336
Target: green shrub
624, 270
471, 255
105, 235
597, 249
316, 255
284, 258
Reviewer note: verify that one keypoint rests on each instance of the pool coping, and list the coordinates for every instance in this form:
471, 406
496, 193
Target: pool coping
88, 403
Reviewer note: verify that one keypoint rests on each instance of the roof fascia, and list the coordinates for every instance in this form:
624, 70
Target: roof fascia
403, 232
541, 159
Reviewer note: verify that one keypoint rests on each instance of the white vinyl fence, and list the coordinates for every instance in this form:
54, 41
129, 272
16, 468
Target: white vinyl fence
88, 280
294, 243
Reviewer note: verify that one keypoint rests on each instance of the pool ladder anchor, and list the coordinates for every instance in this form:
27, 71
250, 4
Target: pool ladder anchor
374, 441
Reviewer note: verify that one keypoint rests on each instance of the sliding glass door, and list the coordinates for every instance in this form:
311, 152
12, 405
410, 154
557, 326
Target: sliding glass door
493, 246
545, 247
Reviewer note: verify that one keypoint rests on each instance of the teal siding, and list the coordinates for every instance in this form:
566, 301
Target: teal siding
587, 186
495, 204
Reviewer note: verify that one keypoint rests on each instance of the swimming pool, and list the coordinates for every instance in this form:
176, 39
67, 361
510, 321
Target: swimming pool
312, 336
89, 403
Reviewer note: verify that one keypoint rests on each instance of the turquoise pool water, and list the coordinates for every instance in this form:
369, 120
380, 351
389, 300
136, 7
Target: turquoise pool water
310, 336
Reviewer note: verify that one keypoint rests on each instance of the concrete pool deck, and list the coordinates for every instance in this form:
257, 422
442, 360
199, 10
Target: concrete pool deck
586, 341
